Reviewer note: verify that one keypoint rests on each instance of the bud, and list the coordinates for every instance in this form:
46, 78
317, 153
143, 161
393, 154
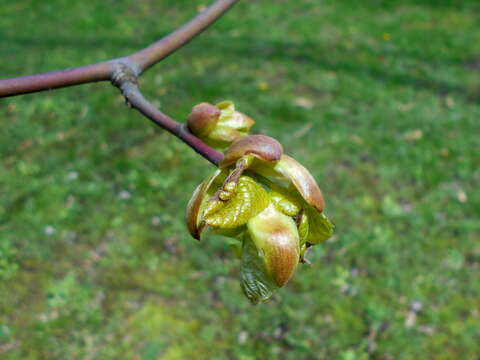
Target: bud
218, 125
266, 200
276, 237
203, 119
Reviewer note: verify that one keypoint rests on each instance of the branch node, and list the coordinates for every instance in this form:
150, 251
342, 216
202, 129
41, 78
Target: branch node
123, 73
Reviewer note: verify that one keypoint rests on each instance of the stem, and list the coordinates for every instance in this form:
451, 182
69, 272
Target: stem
137, 100
124, 72
233, 177
56, 79
138, 62
149, 56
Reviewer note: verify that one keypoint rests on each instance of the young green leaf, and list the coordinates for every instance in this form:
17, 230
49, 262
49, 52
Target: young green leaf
249, 199
320, 228
256, 282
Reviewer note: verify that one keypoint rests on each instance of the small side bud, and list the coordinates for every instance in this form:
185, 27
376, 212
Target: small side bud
218, 125
203, 119
264, 147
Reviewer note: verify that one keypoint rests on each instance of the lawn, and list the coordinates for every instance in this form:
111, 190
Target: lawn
379, 99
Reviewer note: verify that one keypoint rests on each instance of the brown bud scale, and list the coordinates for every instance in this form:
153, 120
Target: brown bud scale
203, 119
264, 147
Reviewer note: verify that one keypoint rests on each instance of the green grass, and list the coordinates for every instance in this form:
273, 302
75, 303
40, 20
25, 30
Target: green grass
380, 99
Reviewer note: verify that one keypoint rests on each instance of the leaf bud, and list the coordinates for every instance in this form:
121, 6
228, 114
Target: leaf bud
218, 125
203, 119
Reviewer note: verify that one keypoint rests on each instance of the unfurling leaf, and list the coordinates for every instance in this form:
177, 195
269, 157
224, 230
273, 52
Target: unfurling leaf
247, 200
320, 228
256, 282
234, 119
284, 200
303, 228
198, 202
266, 200
224, 134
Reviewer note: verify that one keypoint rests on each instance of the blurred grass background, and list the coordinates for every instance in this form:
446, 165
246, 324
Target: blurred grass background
380, 99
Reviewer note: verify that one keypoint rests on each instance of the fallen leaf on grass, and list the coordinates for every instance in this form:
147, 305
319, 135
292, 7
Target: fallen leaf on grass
462, 196
413, 135
304, 102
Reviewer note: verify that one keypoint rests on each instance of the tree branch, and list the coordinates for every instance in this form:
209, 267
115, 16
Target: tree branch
149, 56
124, 72
138, 62
135, 99
56, 79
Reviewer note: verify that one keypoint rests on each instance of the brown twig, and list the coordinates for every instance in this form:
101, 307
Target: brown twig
137, 100
124, 72
138, 62
56, 79
149, 56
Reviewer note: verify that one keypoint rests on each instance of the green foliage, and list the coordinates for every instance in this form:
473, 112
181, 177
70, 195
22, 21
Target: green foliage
257, 283
8, 266
248, 199
379, 99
